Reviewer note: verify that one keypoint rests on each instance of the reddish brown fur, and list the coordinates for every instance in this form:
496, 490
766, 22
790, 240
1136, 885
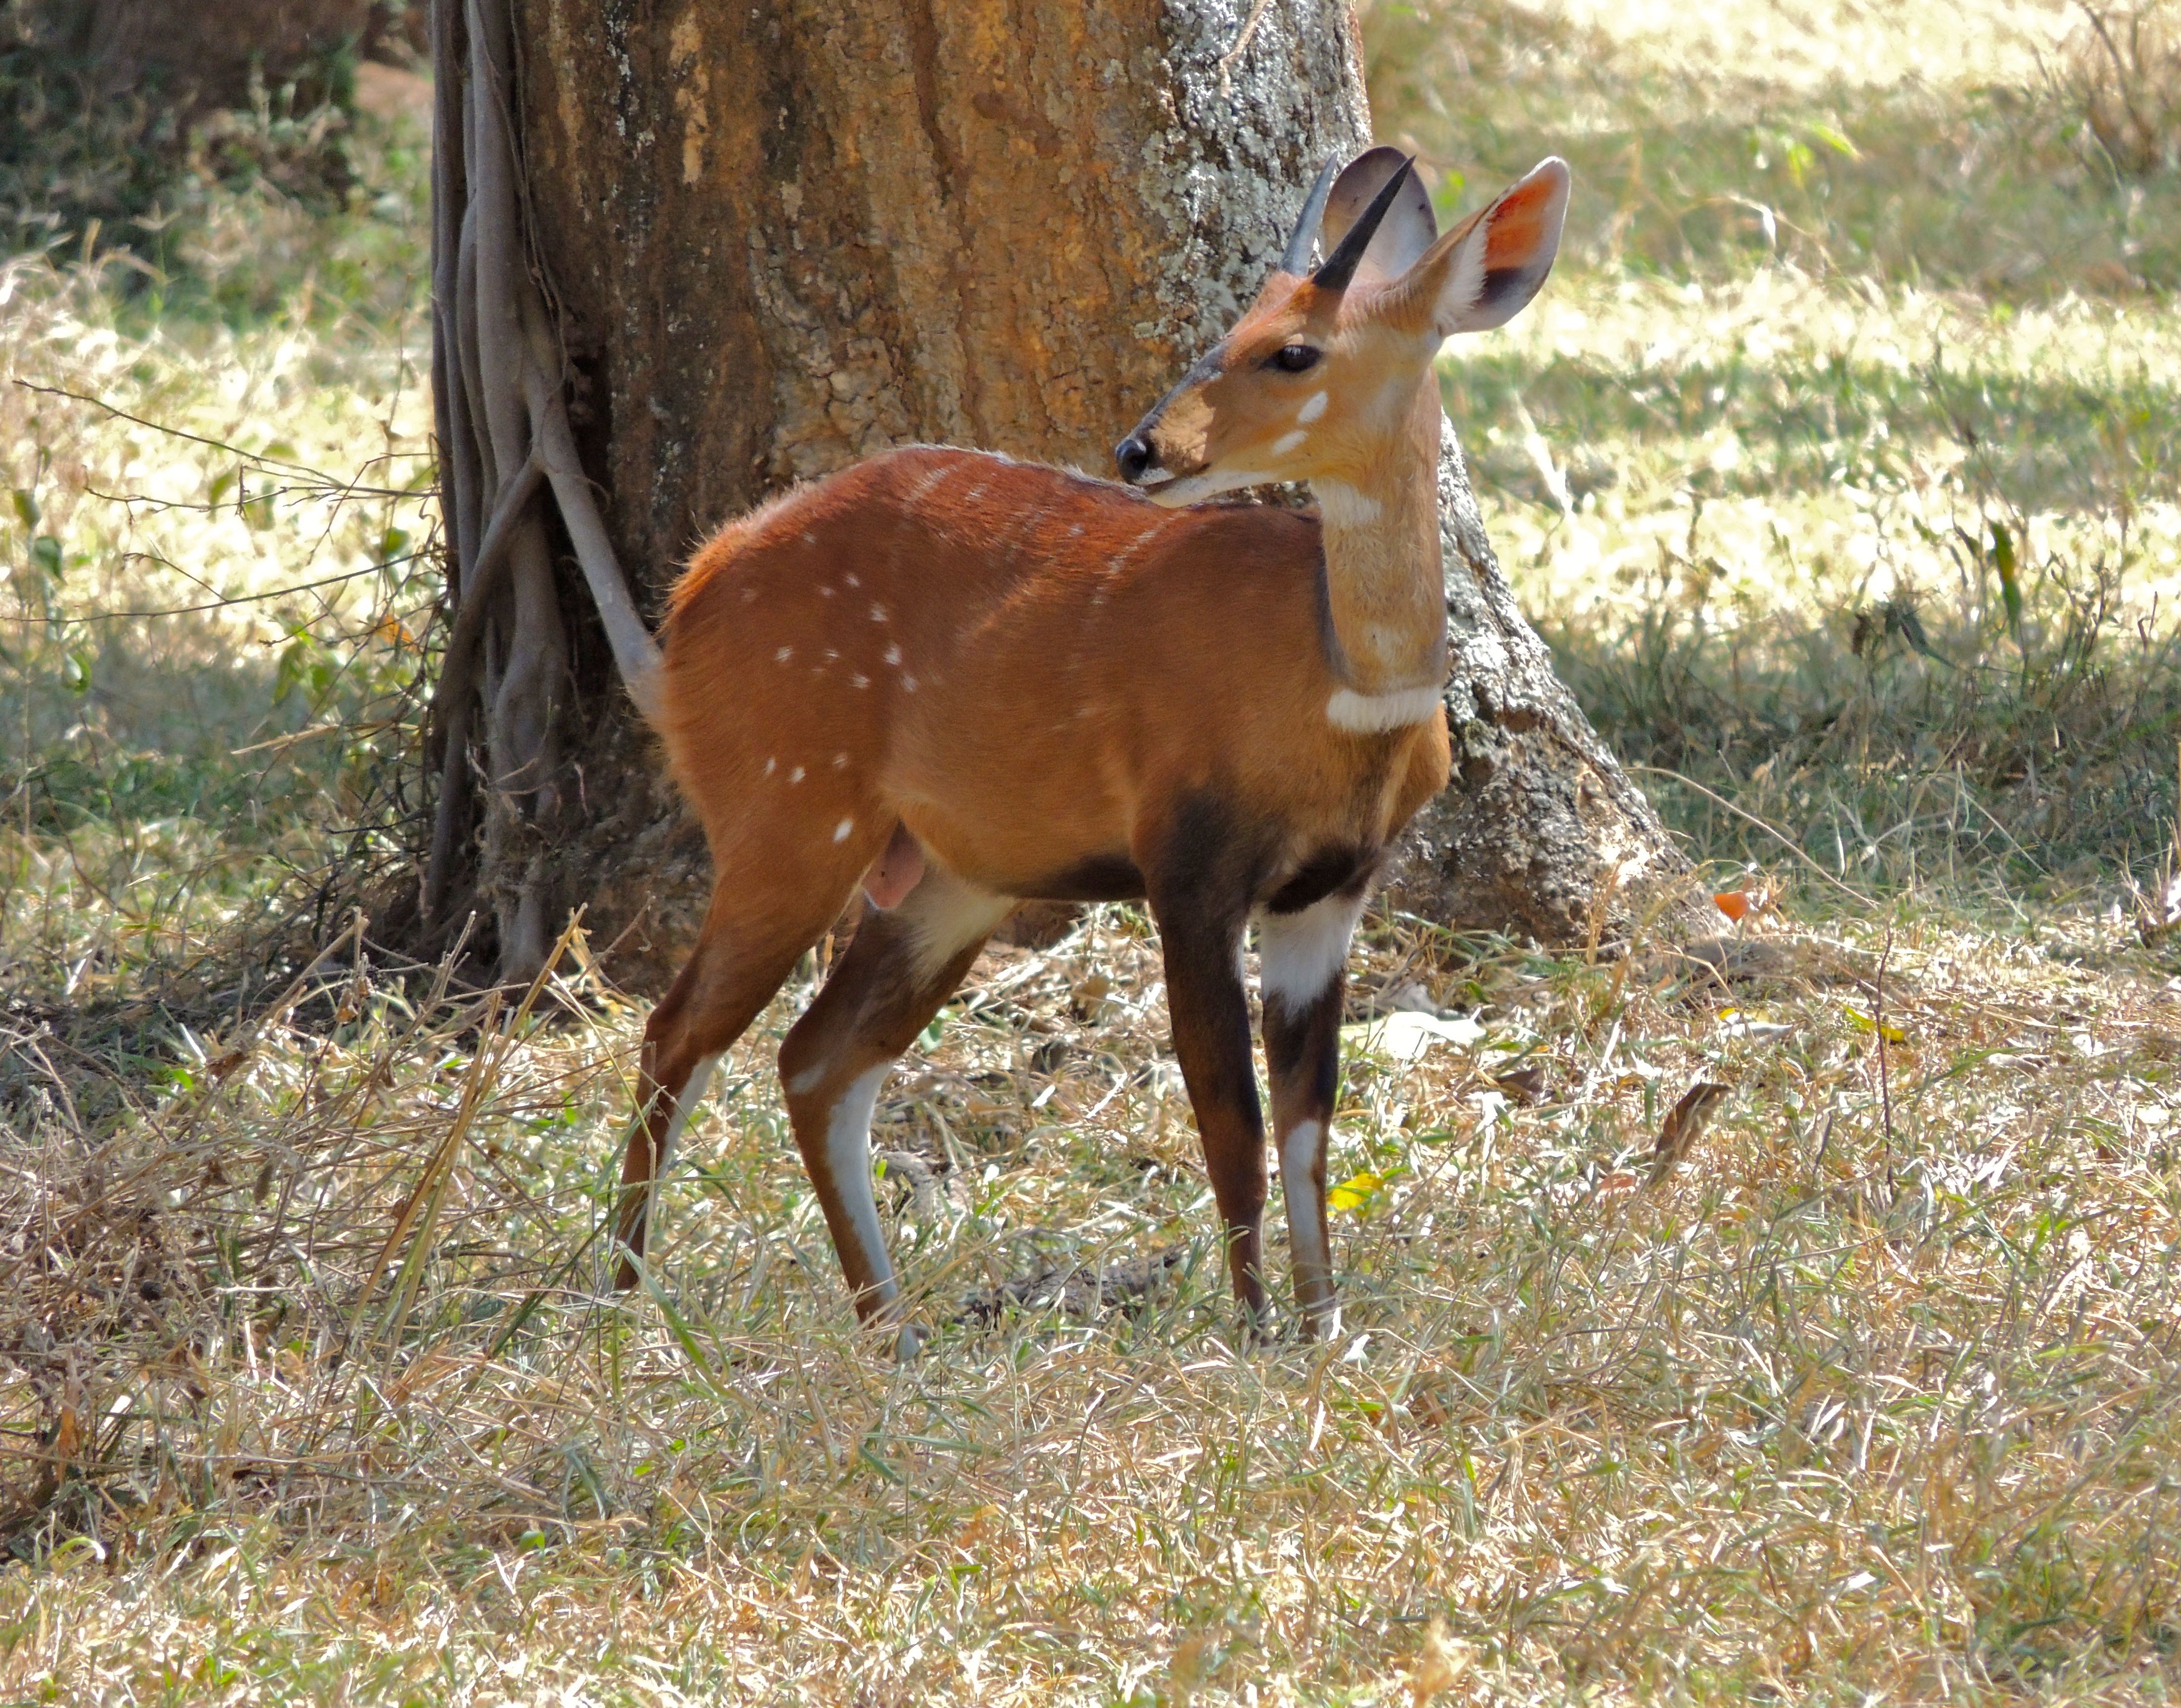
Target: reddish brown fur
967, 682
1080, 659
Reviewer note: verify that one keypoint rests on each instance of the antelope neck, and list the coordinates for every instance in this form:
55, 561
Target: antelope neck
1384, 574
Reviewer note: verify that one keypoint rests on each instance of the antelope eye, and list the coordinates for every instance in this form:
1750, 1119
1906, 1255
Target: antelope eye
1294, 358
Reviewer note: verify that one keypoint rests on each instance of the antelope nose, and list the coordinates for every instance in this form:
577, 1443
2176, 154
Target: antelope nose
1135, 456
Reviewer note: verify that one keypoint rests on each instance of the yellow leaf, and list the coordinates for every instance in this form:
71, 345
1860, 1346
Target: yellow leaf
1357, 1191
1863, 1023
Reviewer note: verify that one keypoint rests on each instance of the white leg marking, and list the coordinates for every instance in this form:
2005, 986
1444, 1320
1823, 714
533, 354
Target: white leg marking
1342, 505
948, 914
1313, 407
1299, 953
1299, 1180
693, 1093
848, 1151
1367, 714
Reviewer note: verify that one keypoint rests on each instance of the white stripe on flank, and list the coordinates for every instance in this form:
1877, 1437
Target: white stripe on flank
925, 485
1365, 713
849, 1154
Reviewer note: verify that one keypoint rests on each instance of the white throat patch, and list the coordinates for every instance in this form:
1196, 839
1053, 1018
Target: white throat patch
1367, 712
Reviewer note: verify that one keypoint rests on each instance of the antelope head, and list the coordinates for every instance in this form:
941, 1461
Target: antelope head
1321, 374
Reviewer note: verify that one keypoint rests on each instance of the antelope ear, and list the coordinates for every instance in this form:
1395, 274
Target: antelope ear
1484, 272
1409, 227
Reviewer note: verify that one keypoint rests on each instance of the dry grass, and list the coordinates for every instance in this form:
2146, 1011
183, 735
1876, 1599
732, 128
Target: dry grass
312, 1375
309, 1391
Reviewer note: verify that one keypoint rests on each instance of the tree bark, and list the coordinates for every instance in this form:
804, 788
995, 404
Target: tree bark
776, 239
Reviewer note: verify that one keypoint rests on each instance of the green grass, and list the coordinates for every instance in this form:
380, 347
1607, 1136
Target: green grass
217, 492
308, 1389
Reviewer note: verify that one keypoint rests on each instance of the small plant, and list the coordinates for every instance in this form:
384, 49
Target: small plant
2121, 69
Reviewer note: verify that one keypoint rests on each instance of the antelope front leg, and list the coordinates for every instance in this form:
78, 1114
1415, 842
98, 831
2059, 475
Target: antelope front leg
1211, 1015
1304, 957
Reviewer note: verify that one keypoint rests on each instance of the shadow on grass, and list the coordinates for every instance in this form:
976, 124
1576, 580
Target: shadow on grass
1906, 741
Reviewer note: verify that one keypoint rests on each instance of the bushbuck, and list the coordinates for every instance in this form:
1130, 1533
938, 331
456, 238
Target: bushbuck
959, 682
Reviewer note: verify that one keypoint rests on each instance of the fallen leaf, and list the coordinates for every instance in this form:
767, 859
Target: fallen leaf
1405, 1035
1439, 1665
1683, 1125
1863, 1023
1357, 1191
1523, 1085
1739, 904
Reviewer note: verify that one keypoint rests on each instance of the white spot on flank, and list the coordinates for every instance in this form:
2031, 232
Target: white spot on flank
809, 1080
878, 613
825, 592
909, 685
852, 580
748, 593
771, 766
1076, 531
1362, 713
1299, 953
1313, 407
842, 829
809, 538
893, 653
859, 680
1287, 442
840, 762
832, 657
1343, 506
783, 655
796, 775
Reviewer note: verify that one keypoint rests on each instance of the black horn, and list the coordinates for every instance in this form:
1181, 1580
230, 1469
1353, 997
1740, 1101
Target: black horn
1340, 265
1297, 258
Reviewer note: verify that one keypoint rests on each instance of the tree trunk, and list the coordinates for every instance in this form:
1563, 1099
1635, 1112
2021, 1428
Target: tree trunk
776, 239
